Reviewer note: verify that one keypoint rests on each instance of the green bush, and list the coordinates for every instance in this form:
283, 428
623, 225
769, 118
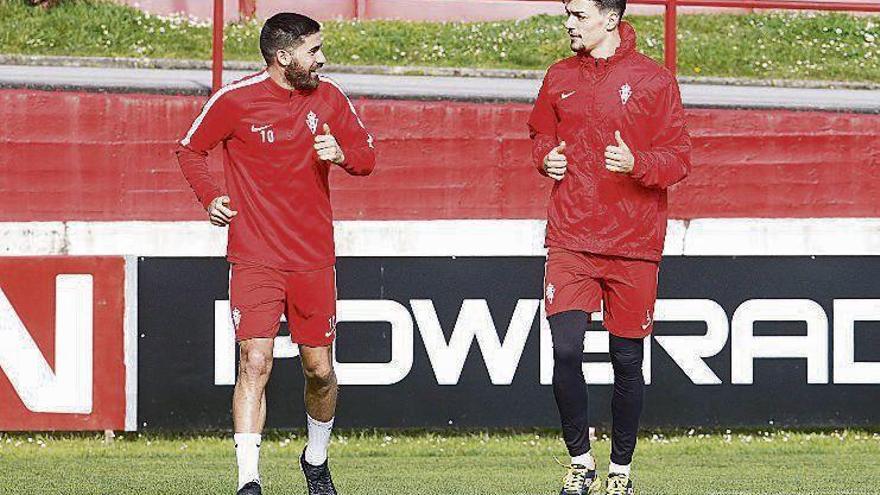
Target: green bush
774, 45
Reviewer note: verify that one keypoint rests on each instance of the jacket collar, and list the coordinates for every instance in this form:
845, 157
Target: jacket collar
627, 47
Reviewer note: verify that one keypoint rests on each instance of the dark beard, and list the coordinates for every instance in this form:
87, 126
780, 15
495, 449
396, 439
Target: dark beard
300, 78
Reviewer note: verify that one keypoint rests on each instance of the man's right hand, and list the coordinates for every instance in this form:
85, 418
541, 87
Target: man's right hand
219, 212
555, 162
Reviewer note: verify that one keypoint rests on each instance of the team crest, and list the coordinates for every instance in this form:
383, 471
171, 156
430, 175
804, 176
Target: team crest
312, 122
625, 92
551, 293
236, 317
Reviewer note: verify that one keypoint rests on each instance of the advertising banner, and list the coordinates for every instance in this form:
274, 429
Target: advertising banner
63, 344
461, 341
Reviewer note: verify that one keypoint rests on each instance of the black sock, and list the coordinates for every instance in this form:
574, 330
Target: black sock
569, 388
626, 403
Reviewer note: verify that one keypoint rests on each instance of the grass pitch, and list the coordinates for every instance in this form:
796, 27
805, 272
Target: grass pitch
378, 463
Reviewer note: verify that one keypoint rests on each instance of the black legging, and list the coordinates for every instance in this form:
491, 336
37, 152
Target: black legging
568, 329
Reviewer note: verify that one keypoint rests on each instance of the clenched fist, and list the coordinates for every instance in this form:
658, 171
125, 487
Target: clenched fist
555, 163
327, 147
219, 211
619, 158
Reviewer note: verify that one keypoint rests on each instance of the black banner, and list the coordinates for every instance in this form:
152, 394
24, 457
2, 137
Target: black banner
434, 342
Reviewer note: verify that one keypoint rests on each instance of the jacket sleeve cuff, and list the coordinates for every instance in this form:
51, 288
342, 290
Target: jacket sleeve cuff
640, 166
209, 196
540, 147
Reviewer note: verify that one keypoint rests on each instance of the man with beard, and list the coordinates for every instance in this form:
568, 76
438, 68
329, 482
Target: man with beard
608, 127
281, 130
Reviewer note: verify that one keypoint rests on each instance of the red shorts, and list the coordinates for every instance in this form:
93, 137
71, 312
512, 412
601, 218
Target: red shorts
258, 296
584, 281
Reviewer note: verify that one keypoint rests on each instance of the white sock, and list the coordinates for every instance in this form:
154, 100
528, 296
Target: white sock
619, 469
319, 439
586, 459
247, 453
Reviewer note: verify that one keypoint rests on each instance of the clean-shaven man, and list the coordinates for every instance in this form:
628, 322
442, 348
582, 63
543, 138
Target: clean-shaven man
609, 128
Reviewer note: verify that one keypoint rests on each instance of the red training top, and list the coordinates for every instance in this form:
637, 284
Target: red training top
583, 101
274, 177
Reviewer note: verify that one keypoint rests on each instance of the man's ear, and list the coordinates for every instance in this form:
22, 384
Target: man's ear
283, 57
612, 21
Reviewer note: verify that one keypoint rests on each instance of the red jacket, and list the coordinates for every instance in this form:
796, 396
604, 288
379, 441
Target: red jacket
583, 101
273, 176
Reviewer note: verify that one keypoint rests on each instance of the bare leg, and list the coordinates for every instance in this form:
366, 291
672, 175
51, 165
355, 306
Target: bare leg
249, 397
249, 406
320, 390
320, 399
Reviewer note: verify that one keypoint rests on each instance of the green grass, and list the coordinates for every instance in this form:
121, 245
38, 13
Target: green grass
784, 46
374, 463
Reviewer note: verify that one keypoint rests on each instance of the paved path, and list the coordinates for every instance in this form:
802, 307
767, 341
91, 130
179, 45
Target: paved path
426, 87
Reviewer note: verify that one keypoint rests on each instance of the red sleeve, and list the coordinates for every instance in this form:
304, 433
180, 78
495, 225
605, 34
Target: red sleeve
669, 159
213, 125
542, 126
352, 136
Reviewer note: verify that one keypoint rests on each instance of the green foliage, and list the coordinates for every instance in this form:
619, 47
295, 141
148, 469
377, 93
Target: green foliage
764, 45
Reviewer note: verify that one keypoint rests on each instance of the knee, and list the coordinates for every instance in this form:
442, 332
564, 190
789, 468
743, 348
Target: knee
628, 374
568, 355
627, 366
320, 373
255, 364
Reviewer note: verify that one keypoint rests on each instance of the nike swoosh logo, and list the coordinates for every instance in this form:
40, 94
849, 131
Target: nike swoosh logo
331, 332
258, 129
566, 95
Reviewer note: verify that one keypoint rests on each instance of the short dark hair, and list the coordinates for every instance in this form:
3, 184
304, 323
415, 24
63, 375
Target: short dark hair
285, 30
618, 6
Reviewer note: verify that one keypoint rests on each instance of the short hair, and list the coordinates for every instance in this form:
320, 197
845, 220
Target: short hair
285, 30
618, 6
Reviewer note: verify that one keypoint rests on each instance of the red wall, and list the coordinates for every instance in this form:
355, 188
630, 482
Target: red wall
92, 156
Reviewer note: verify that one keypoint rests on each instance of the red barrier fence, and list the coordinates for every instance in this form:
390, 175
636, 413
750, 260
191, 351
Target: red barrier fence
217, 47
670, 17
248, 7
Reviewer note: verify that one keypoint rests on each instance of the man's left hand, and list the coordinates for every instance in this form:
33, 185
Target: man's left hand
619, 158
327, 147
